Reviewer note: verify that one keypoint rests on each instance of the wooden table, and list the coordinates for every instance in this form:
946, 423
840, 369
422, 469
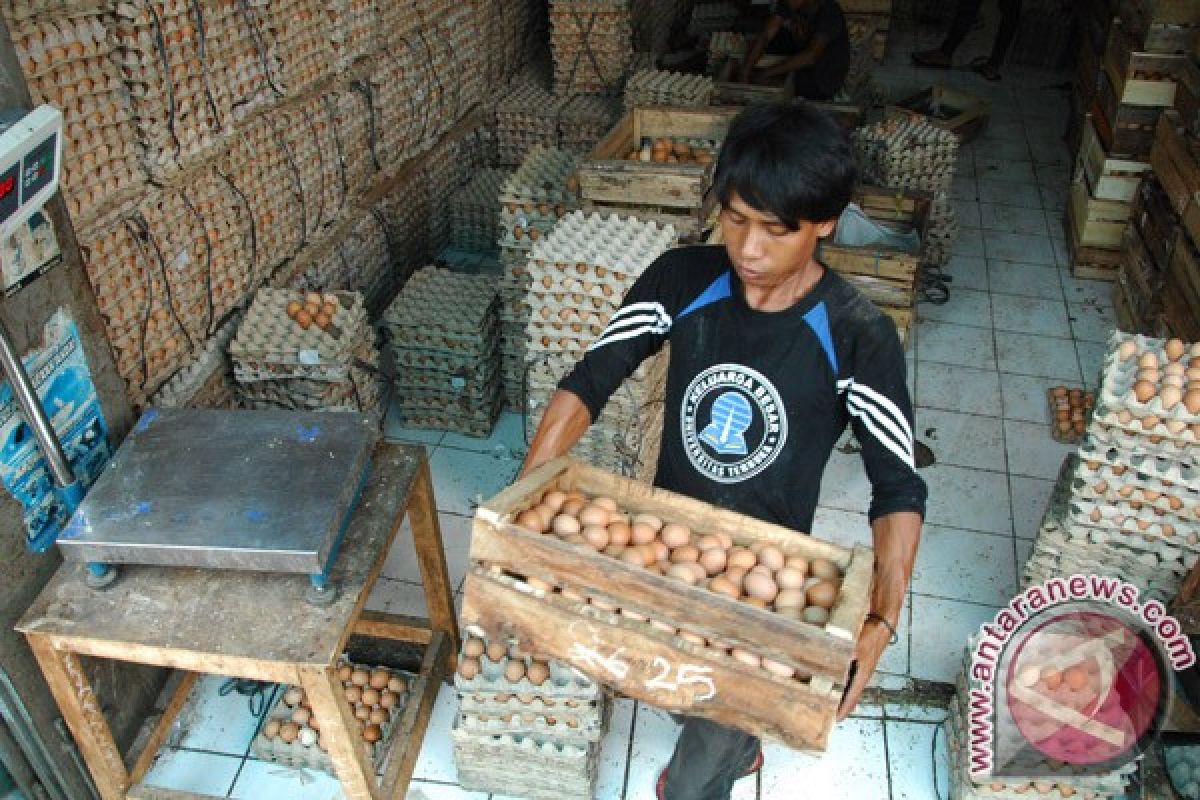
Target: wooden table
257, 626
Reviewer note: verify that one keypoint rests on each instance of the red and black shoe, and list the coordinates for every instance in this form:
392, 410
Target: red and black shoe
661, 786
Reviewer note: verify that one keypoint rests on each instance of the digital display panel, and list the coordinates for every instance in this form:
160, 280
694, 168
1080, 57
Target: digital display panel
10, 198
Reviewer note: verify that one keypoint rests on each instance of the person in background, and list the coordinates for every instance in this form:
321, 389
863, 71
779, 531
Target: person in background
965, 15
772, 356
812, 37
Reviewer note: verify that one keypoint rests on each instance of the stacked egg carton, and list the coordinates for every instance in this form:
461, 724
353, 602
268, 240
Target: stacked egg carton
295, 33
445, 335
526, 116
532, 202
208, 381
404, 100
585, 120
1183, 765
526, 727
359, 259
1068, 782
578, 276
68, 62
473, 212
291, 733
352, 28
305, 350
909, 153
1130, 506
310, 150
353, 127
592, 44
446, 168
659, 88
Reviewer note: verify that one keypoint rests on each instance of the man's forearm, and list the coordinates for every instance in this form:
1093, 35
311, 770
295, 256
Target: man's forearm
895, 538
565, 421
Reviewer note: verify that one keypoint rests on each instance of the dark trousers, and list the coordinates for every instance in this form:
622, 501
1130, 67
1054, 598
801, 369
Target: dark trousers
964, 18
708, 759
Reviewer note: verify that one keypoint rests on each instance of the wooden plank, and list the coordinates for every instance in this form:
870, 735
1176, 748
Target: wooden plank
619, 141
80, 707
1184, 269
1098, 223
1109, 178
962, 114
195, 619
1138, 78
1191, 218
339, 731
401, 759
382, 625
1155, 221
655, 667
162, 729
431, 555
1126, 130
1174, 163
671, 185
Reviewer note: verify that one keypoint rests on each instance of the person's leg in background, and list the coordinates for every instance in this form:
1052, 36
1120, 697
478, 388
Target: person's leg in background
1010, 18
708, 759
965, 14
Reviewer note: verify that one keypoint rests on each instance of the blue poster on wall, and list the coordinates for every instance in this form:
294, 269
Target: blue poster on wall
61, 377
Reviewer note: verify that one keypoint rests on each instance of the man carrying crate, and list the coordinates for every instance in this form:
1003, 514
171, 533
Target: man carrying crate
772, 354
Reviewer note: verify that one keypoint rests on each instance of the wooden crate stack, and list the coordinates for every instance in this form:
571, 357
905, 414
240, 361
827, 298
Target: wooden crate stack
306, 351
1141, 70
532, 201
526, 726
445, 337
592, 45
1128, 504
578, 275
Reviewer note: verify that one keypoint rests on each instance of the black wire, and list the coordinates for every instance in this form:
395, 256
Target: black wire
149, 304
413, 110
161, 44
162, 265
364, 89
320, 165
253, 227
337, 145
208, 284
202, 46
281, 143
259, 46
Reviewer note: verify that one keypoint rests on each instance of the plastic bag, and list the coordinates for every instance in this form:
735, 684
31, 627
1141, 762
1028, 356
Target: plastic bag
856, 229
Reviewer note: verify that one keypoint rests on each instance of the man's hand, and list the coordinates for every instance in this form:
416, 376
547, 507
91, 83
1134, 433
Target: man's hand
871, 644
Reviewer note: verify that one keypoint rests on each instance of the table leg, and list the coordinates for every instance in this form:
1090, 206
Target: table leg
427, 540
80, 708
339, 732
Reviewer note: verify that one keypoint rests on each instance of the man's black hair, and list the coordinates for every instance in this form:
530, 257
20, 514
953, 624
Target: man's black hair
790, 160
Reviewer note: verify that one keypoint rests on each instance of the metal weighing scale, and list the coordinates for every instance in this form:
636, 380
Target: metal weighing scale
267, 491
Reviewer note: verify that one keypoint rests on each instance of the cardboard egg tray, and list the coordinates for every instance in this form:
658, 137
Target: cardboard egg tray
907, 153
1155, 443
1148, 468
565, 682
207, 382
1116, 484
1116, 389
663, 88
270, 346
541, 181
529, 723
352, 29
591, 42
584, 121
492, 702
1074, 434
473, 212
353, 255
294, 754
526, 117
1145, 522
529, 766
1183, 765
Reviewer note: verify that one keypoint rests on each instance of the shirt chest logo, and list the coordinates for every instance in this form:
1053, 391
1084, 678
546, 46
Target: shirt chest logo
733, 423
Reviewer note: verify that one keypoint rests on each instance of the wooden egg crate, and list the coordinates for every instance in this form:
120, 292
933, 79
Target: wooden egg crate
1088, 262
964, 115
1175, 158
1140, 78
639, 652
1109, 178
1126, 130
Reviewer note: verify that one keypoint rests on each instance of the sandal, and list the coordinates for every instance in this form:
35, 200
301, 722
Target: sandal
986, 68
933, 59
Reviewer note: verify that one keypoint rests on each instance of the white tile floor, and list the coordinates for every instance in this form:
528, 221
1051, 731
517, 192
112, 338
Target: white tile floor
1015, 324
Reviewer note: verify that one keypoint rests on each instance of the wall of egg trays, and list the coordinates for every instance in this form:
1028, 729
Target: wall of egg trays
592, 45
212, 148
649, 87
1129, 505
527, 726
909, 153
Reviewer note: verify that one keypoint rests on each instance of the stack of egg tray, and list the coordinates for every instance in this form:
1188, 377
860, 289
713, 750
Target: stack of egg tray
525, 740
592, 45
585, 120
909, 153
578, 275
473, 212
445, 169
650, 87
711, 18
1066, 783
1183, 765
352, 29
69, 63
445, 336
532, 201
357, 257
208, 381
278, 364
525, 117
1134, 495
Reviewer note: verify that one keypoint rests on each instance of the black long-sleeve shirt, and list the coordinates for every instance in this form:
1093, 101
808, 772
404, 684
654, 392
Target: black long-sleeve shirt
756, 400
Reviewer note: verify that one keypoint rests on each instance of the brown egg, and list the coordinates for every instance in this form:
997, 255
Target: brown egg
362, 712
473, 647
1175, 349
760, 586
388, 699
798, 563
1144, 390
293, 696
771, 557
683, 572
1127, 350
572, 506
594, 515
379, 679
370, 697
531, 520
790, 598
596, 536
742, 558
377, 716
360, 677
354, 693
790, 578
713, 560
565, 525
822, 594
1148, 361
607, 503
636, 556
344, 672
674, 535
555, 499
736, 576
497, 651
723, 586
514, 670
322, 321
294, 308
684, 554
620, 533
824, 569
661, 552
538, 673
641, 533
700, 573
1170, 396
301, 716
271, 729
288, 732
649, 519
709, 542
372, 733
1191, 401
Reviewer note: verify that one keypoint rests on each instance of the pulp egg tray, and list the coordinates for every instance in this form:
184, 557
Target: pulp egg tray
471, 407
442, 341
1158, 467
1185, 449
1072, 434
581, 331
1116, 390
480, 428
426, 362
565, 682
1106, 486
294, 754
568, 316
499, 703
1137, 522
1131, 557
524, 753
530, 723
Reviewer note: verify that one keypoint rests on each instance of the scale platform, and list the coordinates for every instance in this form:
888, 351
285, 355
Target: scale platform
268, 491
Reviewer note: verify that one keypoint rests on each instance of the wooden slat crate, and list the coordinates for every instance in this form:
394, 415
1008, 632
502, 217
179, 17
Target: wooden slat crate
1161, 26
728, 91
1191, 218
1155, 221
1183, 274
1176, 163
1098, 223
639, 659
1089, 263
1140, 78
1109, 178
1125, 130
950, 109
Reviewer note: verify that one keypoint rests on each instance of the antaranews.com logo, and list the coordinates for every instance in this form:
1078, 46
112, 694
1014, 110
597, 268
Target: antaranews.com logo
1074, 675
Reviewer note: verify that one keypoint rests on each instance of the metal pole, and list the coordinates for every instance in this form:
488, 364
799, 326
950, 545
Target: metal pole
35, 415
